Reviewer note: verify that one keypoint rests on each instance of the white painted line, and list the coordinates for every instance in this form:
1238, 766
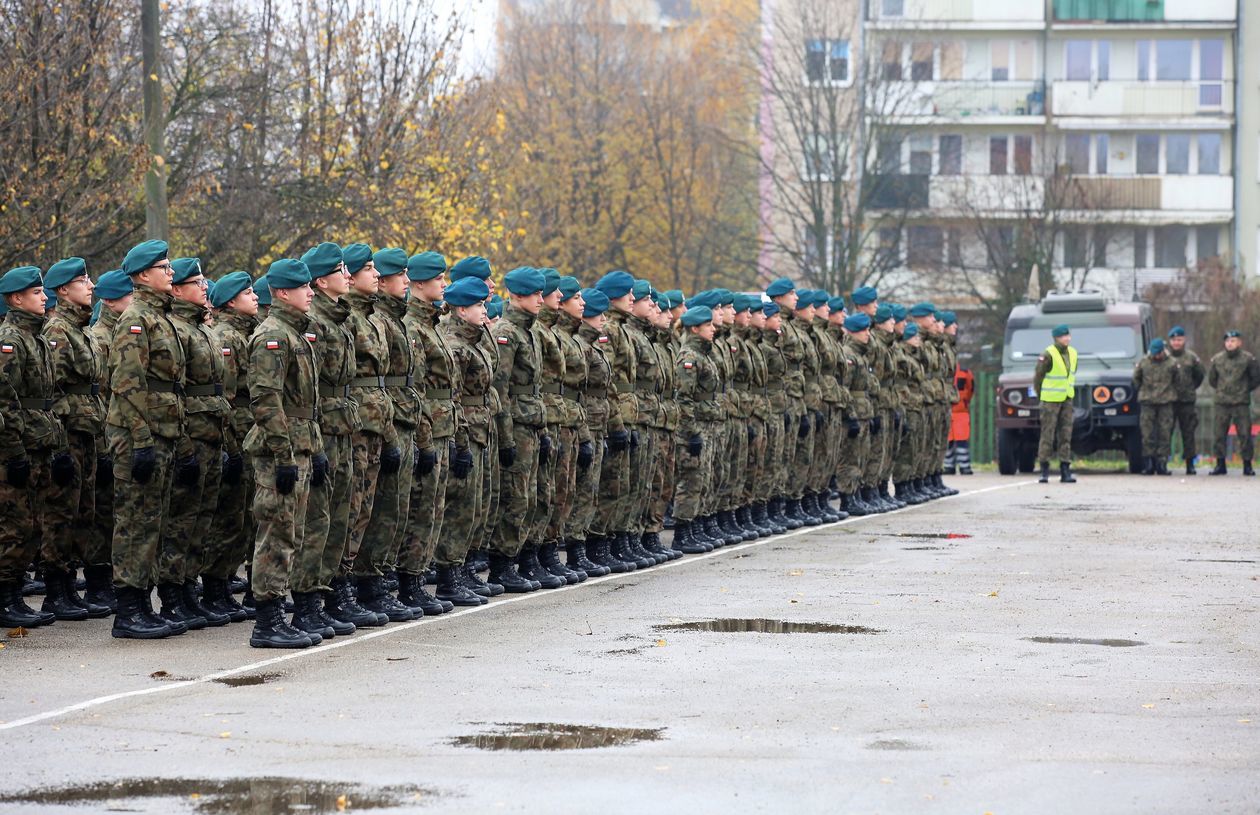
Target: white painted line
341, 642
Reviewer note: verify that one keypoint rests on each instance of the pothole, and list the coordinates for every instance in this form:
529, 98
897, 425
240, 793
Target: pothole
219, 796
763, 626
247, 680
895, 744
1109, 643
551, 736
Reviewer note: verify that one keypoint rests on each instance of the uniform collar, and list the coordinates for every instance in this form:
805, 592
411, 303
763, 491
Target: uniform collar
288, 315
152, 297
24, 320
519, 317
326, 308
359, 302
75, 315
191, 312
241, 322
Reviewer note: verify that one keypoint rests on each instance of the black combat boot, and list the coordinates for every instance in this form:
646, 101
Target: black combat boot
575, 555
668, 521
174, 610
1220, 468
130, 621
723, 529
374, 598
271, 630
783, 513
634, 545
1148, 467
599, 550
683, 541
890, 498
651, 543
100, 587
549, 557
1065, 472
306, 616
1247, 467
503, 571
411, 594
1045, 473
833, 513
58, 588
701, 537
530, 568
1161, 466
146, 608
486, 588
744, 524
342, 606
761, 512
948, 489
32, 585
96, 610
193, 602
620, 548
215, 596
390, 581
903, 493
868, 497
451, 588
1190, 467
15, 613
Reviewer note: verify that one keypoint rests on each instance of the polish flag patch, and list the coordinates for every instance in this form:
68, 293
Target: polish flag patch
503, 340
6, 349
688, 365
135, 329
227, 352
603, 339
273, 345
310, 337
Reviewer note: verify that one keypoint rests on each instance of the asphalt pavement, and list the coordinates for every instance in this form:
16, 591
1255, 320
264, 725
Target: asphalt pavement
1019, 648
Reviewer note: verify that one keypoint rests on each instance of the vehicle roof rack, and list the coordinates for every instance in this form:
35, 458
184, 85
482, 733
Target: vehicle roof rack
1080, 300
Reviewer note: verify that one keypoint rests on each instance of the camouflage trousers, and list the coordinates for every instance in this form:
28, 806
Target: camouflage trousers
614, 483
661, 483
424, 520
733, 463
1240, 417
803, 457
102, 527
694, 473
826, 438
548, 473
880, 448
281, 518
909, 453
641, 463
757, 483
463, 525
186, 544
775, 469
586, 494
941, 440
327, 524
1156, 422
384, 531
1056, 431
715, 439
560, 504
233, 525
493, 486
69, 511
925, 444
518, 493
365, 456
893, 421
140, 510
22, 514
1186, 418
853, 456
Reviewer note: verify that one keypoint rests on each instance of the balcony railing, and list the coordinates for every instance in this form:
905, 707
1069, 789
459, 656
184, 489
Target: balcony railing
891, 191
1143, 11
1141, 98
960, 100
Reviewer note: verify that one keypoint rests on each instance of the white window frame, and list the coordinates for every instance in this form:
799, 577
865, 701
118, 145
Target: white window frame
828, 82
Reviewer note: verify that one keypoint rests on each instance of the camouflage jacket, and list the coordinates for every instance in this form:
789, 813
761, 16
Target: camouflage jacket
863, 379
1155, 380
231, 335
80, 367
404, 364
1233, 376
933, 365
667, 345
565, 329
551, 369
620, 354
1188, 374
474, 366
334, 354
699, 384
103, 336
776, 371
438, 384
371, 366
756, 376
793, 344
146, 361
205, 407
723, 354
518, 371
649, 379
830, 363
599, 399
909, 376
282, 387
882, 362
27, 386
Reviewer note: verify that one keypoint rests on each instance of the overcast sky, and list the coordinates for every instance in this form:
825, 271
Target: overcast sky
478, 53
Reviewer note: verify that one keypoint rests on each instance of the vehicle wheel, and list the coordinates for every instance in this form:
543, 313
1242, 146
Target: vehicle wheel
1008, 451
1133, 450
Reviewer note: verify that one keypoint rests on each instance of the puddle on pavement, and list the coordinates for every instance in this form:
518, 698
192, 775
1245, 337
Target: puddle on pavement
894, 744
761, 626
923, 548
247, 680
548, 736
947, 536
1212, 560
257, 796
1109, 643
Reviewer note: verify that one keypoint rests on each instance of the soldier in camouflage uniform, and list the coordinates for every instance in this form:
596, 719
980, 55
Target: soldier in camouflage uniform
779, 421
798, 424
283, 381
1233, 375
1189, 374
811, 443
703, 417
750, 323
890, 416
81, 410
31, 439
664, 429
649, 384
1155, 379
833, 395
860, 420
615, 476
935, 403
910, 384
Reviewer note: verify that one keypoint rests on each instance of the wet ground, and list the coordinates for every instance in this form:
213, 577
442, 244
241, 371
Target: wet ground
1032, 648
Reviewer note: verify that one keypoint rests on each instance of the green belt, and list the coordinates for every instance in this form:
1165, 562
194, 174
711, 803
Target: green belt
646, 387
438, 393
204, 390
522, 390
552, 388
572, 394
82, 390
163, 386
398, 381
475, 401
368, 382
334, 391
35, 403
296, 412
595, 393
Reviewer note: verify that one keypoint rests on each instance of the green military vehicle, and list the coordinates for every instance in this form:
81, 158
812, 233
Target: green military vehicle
1109, 339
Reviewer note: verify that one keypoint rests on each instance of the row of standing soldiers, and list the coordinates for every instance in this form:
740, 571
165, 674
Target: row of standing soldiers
352, 428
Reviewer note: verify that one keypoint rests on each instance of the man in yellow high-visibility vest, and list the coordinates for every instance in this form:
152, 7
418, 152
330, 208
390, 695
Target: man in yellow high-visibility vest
1055, 381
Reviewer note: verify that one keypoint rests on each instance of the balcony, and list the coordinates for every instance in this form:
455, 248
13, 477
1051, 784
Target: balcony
1183, 199
1145, 11
886, 191
994, 15
976, 102
1144, 100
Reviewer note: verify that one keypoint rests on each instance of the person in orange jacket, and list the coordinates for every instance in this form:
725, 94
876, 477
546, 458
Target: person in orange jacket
958, 453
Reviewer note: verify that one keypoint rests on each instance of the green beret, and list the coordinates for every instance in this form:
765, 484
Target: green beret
466, 291
323, 259
1233, 334
1060, 330
595, 302
900, 312
912, 330
50, 299
524, 280
949, 317
1175, 331
551, 280
699, 315
390, 262
725, 297
356, 256
821, 297
1157, 346
425, 266
836, 304
113, 285
707, 298
924, 309
569, 286
20, 278
676, 298
262, 288
615, 284
741, 303
804, 298
494, 307
143, 255
864, 295
641, 289
883, 312
287, 273
771, 308
228, 286
185, 269
63, 271
857, 322
779, 287
474, 266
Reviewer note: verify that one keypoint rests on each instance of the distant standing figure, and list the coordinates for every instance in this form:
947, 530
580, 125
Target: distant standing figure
1233, 375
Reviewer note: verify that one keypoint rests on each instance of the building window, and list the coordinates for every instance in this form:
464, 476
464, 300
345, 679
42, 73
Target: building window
1144, 60
1075, 247
1209, 154
997, 155
889, 155
1079, 56
1102, 238
1000, 51
954, 248
1170, 246
926, 246
1104, 60
1001, 247
827, 60
1206, 240
892, 62
1173, 60
1147, 154
1023, 155
951, 155
1211, 71
920, 155
892, 8
921, 62
889, 245
1102, 145
1139, 248
1177, 154
1076, 153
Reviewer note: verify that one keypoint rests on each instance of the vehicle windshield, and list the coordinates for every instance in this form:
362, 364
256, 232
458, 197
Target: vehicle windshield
1101, 341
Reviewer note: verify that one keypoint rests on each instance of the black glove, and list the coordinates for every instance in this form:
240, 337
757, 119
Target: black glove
63, 469
853, 428
426, 460
752, 433
586, 455
391, 460
507, 456
105, 470
820, 420
18, 472
544, 448
233, 468
618, 441
695, 445
634, 440
898, 420
143, 463
462, 463
188, 471
803, 430
286, 478
319, 470
877, 426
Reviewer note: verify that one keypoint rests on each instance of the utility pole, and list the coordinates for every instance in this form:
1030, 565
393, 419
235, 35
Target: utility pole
156, 218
